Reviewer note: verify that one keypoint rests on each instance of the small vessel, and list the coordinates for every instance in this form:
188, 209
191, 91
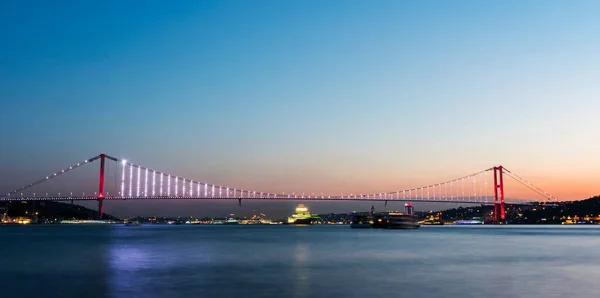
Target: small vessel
474, 221
231, 221
361, 221
432, 223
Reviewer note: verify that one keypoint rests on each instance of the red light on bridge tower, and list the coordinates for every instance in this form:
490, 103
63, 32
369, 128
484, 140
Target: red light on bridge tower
499, 215
101, 187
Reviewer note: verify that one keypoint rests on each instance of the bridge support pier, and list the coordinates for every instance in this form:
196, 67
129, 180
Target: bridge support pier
101, 187
499, 215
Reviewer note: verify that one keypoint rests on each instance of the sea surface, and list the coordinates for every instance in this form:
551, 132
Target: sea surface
299, 261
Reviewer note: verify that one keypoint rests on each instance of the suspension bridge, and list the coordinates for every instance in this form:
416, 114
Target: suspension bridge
142, 183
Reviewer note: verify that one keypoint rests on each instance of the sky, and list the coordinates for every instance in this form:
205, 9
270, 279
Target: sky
315, 96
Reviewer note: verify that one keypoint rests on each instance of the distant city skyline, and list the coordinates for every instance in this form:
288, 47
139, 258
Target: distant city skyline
314, 96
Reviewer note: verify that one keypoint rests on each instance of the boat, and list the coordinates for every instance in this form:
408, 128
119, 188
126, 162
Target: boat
396, 220
231, 221
302, 216
474, 221
432, 223
402, 221
361, 221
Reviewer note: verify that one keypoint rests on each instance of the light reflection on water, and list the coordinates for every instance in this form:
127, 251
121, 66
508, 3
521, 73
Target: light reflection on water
300, 270
288, 261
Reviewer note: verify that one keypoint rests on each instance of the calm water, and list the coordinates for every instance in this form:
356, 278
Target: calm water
288, 261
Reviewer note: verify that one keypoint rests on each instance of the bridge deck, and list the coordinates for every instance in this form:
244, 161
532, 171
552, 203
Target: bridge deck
279, 198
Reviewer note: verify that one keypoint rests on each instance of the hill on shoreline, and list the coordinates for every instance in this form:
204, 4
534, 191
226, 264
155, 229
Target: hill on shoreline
540, 213
50, 210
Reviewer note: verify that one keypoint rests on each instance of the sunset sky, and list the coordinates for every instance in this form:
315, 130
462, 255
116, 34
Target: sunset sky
316, 96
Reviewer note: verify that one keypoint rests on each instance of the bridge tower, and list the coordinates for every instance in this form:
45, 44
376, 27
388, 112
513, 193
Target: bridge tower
499, 215
100, 196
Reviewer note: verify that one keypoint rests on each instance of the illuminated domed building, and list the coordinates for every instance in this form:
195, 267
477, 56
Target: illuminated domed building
302, 216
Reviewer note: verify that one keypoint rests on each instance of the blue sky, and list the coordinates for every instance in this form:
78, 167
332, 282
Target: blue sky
326, 96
